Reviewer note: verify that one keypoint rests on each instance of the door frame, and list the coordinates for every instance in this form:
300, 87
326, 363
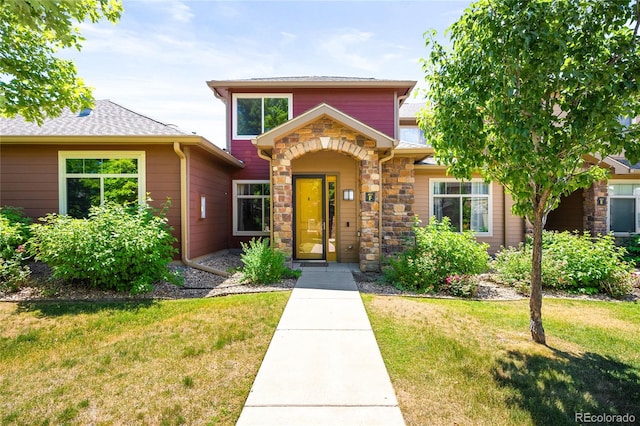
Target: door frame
294, 226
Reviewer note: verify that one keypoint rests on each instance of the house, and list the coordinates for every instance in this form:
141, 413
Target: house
331, 169
342, 184
111, 152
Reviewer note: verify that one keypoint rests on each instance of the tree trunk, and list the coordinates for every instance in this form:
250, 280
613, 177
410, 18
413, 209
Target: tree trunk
535, 301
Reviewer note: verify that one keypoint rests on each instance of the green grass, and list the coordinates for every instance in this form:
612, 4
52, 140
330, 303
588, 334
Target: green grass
469, 362
165, 362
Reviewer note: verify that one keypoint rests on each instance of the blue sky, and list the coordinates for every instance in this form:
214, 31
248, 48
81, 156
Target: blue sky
157, 59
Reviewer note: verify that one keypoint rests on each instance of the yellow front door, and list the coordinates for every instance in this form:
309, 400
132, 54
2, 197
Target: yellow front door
315, 217
309, 236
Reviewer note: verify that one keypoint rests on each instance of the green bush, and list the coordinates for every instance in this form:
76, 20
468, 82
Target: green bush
14, 232
263, 264
632, 247
437, 253
461, 285
118, 247
571, 262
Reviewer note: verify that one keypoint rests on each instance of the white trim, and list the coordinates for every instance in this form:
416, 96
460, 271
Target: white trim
262, 96
489, 197
234, 184
62, 172
636, 197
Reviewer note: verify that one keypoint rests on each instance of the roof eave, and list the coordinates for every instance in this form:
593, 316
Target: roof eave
267, 140
221, 88
194, 140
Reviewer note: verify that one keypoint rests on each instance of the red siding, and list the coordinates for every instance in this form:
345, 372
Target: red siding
374, 107
210, 178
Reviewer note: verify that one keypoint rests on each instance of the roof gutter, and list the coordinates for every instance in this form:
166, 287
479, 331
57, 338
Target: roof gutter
184, 217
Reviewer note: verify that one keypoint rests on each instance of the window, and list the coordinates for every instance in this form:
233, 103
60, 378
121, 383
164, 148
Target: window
89, 178
466, 204
251, 207
412, 134
624, 199
255, 114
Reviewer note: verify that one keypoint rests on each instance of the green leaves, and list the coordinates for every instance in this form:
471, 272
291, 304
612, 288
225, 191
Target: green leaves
34, 83
122, 248
530, 87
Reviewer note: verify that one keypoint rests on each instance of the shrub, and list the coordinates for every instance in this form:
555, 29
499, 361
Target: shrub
437, 252
14, 232
632, 247
461, 285
571, 262
513, 267
263, 264
119, 247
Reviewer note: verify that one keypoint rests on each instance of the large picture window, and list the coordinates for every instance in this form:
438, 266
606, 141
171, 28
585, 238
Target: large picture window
624, 199
90, 178
251, 207
466, 204
255, 114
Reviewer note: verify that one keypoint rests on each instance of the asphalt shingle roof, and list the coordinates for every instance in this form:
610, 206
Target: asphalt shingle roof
106, 119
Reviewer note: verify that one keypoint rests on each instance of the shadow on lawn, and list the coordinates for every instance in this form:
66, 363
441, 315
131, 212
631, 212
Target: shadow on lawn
554, 389
59, 308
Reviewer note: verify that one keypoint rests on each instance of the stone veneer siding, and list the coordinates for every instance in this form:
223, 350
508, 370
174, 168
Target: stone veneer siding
594, 215
398, 181
325, 134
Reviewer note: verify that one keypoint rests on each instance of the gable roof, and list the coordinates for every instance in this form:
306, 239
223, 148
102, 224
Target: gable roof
267, 140
106, 119
221, 88
108, 122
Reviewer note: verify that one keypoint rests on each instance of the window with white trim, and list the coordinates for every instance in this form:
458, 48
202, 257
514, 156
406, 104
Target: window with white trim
255, 113
466, 204
624, 212
89, 178
251, 207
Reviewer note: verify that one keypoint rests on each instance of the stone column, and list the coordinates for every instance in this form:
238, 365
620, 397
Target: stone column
369, 211
282, 195
398, 181
595, 213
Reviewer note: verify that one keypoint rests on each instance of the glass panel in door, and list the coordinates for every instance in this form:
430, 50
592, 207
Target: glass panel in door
331, 218
309, 214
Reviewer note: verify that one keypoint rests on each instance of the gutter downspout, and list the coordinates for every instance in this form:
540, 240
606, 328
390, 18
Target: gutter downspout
184, 217
380, 162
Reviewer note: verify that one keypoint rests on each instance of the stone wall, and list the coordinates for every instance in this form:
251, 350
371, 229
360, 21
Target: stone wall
398, 198
595, 215
325, 134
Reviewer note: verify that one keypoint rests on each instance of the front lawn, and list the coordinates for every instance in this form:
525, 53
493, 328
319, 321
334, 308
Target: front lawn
470, 362
145, 362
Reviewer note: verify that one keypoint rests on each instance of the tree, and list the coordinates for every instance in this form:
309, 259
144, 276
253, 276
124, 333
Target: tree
33, 82
526, 91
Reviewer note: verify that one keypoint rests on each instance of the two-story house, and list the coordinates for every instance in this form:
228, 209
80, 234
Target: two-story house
335, 173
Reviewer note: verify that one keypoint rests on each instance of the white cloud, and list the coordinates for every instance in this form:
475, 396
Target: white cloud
346, 47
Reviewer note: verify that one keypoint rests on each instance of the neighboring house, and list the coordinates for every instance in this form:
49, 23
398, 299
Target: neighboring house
110, 152
331, 169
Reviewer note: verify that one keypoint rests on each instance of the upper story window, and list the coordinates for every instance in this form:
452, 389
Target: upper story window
467, 204
254, 114
89, 178
413, 134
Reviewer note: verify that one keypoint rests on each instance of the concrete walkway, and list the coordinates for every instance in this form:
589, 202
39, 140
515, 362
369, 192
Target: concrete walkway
323, 366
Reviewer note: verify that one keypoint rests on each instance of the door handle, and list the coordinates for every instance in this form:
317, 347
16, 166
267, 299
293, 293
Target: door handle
323, 222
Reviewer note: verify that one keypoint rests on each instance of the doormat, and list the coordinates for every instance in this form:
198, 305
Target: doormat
311, 264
